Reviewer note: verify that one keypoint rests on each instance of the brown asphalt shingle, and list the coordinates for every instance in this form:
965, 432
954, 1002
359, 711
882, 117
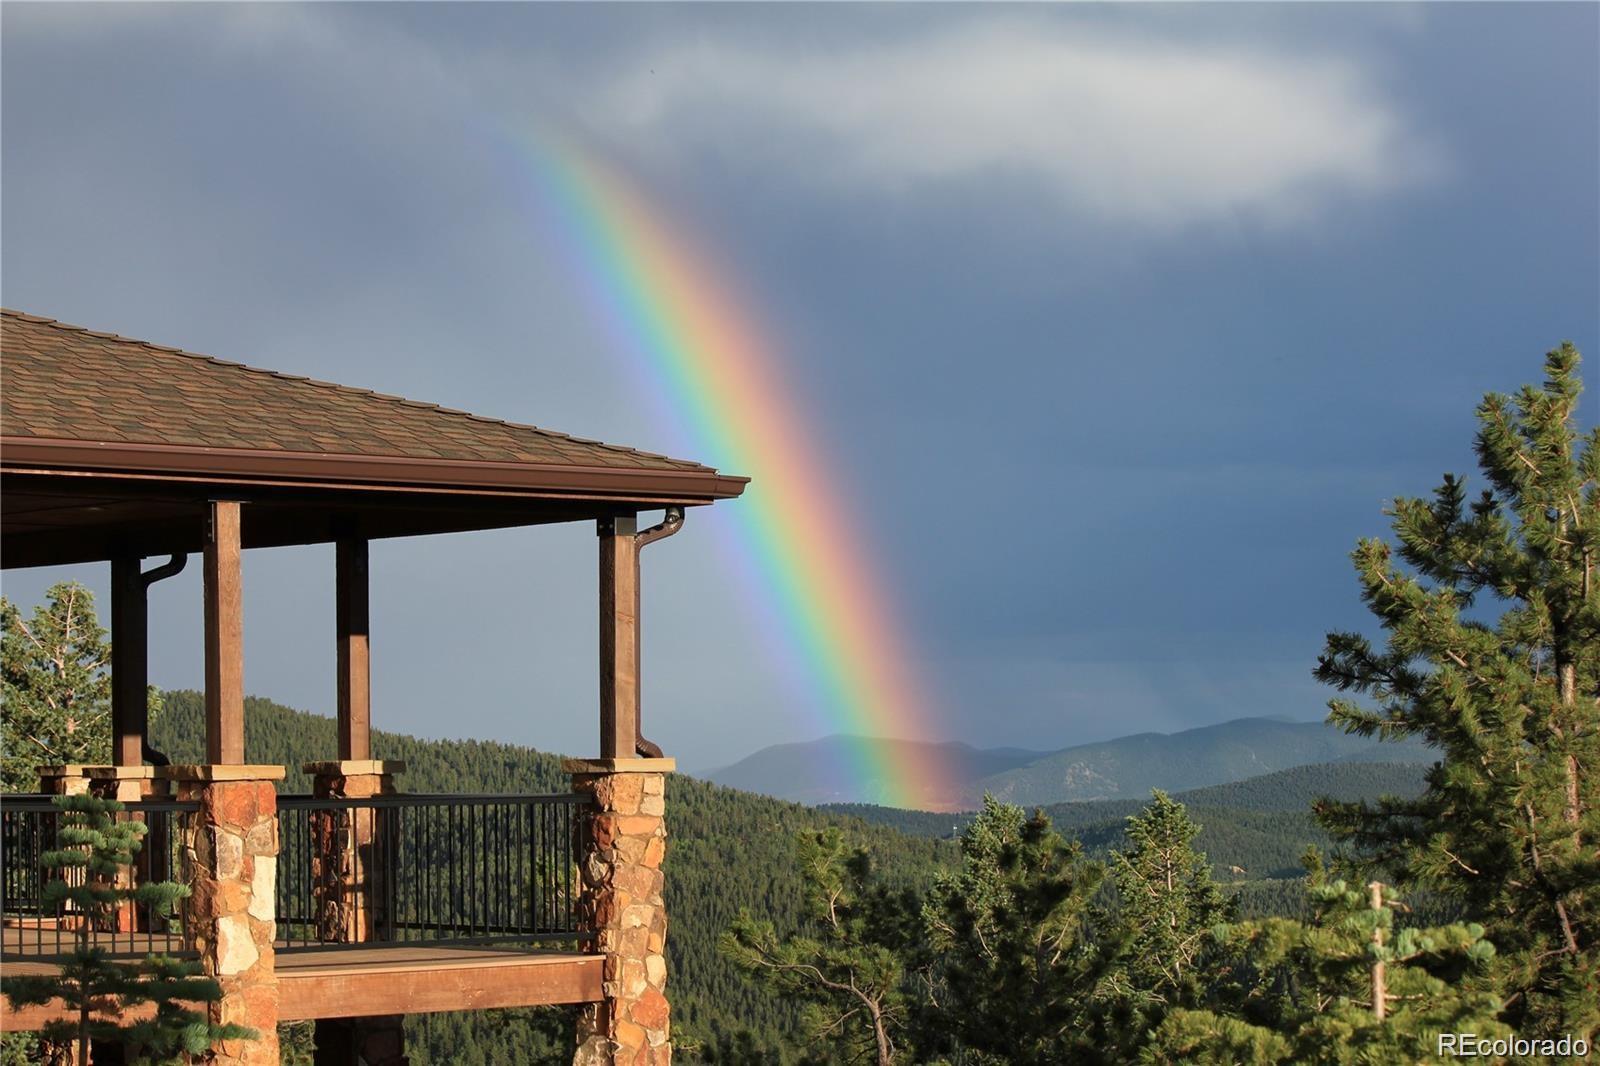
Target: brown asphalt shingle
70, 383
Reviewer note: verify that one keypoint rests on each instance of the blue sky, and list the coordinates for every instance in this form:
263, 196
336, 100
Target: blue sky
1117, 324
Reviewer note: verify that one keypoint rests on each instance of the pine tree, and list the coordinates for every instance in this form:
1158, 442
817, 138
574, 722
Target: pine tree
1353, 985
1509, 827
56, 686
1170, 906
843, 966
93, 848
1024, 949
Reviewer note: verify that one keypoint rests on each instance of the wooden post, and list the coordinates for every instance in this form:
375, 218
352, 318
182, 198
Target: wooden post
619, 637
354, 662
224, 619
130, 664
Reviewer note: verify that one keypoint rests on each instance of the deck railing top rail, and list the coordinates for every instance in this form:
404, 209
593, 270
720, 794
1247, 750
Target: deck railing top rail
40, 801
293, 801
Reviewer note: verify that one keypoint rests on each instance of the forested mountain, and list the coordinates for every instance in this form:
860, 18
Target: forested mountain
824, 771
1297, 788
1253, 831
728, 850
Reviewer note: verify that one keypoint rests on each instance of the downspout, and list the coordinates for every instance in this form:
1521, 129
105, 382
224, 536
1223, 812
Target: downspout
171, 568
670, 523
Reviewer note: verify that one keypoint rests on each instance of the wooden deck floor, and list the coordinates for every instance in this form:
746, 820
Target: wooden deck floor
396, 979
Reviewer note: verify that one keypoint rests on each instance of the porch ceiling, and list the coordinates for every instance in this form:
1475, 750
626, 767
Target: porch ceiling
50, 519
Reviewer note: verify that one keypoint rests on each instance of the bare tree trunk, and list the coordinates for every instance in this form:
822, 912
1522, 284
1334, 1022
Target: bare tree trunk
881, 1033
1568, 674
1380, 990
57, 1053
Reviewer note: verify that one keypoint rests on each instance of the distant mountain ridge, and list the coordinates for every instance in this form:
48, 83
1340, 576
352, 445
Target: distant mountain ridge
825, 771
1129, 767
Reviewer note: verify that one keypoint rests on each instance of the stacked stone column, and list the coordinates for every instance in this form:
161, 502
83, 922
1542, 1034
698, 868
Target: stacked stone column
230, 855
347, 897
621, 902
343, 871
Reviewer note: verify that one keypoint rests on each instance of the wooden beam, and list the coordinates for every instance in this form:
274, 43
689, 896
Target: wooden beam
130, 663
391, 979
224, 620
32, 1018
354, 655
348, 988
619, 637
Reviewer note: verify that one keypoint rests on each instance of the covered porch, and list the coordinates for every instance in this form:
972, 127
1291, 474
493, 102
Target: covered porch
356, 903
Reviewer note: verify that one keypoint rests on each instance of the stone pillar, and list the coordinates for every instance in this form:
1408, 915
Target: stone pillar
349, 899
621, 902
347, 894
230, 859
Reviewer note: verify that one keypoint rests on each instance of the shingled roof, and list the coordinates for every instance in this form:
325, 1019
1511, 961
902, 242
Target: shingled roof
80, 395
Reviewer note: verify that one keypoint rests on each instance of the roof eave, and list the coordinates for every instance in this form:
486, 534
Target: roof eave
392, 472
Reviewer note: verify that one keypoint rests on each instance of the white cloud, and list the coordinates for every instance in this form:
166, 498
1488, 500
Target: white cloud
1132, 129
1129, 125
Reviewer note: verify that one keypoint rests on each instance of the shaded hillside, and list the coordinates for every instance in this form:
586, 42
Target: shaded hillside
1129, 767
728, 850
1261, 824
1297, 788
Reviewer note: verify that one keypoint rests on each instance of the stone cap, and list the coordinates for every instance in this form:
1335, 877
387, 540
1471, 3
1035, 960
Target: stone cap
354, 767
223, 772
100, 772
122, 773
619, 766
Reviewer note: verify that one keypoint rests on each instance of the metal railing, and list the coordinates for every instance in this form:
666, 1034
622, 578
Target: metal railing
456, 869
32, 928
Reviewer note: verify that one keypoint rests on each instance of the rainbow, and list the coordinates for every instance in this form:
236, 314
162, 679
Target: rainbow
716, 372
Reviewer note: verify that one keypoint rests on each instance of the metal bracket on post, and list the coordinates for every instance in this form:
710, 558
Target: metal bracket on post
130, 657
171, 568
